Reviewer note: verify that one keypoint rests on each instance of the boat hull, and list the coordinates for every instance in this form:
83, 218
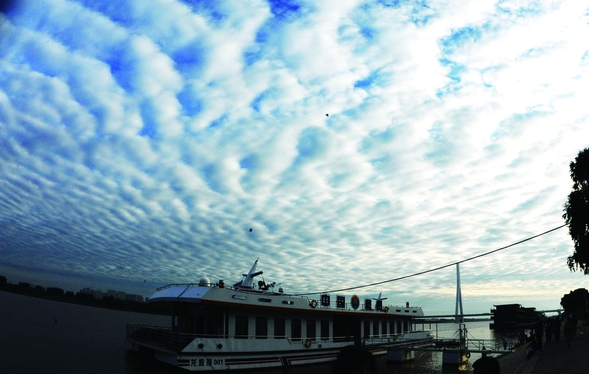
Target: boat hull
301, 353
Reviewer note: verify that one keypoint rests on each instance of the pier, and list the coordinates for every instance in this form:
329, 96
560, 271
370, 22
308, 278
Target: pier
458, 351
454, 351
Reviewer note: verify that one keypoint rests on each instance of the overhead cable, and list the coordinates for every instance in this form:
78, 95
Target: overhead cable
434, 269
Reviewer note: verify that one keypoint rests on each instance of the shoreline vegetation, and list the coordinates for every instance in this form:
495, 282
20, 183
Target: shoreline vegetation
80, 298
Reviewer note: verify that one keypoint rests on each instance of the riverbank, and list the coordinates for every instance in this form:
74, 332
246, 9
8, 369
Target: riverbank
555, 357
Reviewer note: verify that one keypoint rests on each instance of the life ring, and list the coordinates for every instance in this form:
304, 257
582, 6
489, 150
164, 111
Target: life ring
467, 354
313, 303
308, 342
386, 309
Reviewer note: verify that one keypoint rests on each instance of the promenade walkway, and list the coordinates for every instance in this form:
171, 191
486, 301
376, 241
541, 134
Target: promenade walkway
555, 357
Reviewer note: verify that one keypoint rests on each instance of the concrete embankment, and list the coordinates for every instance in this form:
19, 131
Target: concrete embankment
556, 357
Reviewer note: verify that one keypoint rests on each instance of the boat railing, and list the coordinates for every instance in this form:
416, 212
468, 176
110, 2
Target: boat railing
174, 285
159, 336
488, 344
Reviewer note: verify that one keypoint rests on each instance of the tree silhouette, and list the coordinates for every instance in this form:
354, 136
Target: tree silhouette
576, 212
575, 301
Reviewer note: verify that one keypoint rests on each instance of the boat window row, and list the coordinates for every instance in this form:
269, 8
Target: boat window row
314, 329
385, 328
279, 331
192, 320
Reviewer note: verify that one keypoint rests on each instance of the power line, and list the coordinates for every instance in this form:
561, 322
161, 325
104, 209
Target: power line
434, 269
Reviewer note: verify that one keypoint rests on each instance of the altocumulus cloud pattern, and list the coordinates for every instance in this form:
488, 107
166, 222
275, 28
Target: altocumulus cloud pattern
359, 140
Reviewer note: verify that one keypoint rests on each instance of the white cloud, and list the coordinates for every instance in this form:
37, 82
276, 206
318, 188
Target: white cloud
360, 142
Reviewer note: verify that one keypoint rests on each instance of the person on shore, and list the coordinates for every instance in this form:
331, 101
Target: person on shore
570, 328
354, 360
548, 331
521, 337
486, 365
532, 347
539, 334
556, 328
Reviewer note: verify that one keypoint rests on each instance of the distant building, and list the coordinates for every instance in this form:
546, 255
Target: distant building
120, 295
133, 297
96, 293
513, 315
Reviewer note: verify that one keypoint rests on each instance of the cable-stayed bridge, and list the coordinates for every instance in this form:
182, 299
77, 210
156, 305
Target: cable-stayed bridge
459, 316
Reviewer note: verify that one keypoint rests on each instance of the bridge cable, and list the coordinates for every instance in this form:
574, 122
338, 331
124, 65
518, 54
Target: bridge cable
434, 269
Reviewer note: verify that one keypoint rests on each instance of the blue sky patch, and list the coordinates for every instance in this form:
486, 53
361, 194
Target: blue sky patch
191, 104
392, 3
150, 125
368, 81
461, 37
285, 9
218, 122
368, 32
456, 69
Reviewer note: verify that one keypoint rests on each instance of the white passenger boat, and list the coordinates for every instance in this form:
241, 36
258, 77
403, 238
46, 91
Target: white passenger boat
251, 325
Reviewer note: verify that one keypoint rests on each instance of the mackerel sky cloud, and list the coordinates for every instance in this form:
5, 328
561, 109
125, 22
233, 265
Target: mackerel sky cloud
360, 141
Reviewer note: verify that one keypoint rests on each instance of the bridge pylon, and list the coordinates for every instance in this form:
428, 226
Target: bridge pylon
458, 312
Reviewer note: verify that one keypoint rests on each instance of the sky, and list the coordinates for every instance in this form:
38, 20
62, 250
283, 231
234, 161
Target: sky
342, 143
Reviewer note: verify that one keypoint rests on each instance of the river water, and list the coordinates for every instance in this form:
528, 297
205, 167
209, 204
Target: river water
44, 336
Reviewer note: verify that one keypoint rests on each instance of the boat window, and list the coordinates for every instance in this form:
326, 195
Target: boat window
311, 329
344, 329
261, 327
241, 327
325, 329
218, 322
295, 329
375, 328
406, 326
399, 327
279, 328
366, 329
385, 327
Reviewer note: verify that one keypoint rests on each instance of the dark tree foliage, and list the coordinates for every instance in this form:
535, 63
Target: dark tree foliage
576, 212
575, 301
